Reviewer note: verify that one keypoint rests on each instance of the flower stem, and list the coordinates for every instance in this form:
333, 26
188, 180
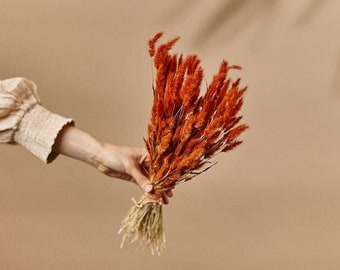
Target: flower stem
144, 223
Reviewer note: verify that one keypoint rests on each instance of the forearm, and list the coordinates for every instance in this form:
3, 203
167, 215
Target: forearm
75, 143
126, 163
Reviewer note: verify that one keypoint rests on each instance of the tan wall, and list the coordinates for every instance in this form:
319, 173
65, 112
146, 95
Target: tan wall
274, 203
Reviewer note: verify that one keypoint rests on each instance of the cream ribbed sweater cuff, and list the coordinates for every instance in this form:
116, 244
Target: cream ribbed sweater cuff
38, 130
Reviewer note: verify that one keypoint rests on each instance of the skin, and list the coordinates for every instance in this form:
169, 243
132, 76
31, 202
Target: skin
126, 163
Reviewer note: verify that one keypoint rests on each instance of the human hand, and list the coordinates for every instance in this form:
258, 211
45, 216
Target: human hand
128, 163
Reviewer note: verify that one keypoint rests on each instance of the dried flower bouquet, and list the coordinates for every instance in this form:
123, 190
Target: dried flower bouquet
187, 128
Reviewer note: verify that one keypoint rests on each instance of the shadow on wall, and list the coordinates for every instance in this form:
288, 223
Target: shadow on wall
308, 14
228, 18
233, 17
309, 11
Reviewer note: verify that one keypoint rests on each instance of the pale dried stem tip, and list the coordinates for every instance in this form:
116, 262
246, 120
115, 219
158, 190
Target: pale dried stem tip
144, 223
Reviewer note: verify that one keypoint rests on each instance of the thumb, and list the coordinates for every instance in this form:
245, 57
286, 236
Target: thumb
141, 180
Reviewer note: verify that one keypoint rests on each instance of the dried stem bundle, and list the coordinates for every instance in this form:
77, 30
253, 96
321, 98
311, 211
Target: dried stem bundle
187, 128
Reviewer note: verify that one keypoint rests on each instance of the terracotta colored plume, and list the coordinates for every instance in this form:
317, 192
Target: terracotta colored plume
187, 127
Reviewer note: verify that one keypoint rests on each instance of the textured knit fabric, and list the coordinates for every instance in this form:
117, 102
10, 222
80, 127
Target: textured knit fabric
25, 122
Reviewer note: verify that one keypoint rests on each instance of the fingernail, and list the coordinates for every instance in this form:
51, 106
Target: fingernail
148, 187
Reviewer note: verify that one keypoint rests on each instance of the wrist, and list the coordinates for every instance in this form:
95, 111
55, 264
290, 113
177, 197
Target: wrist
75, 143
96, 154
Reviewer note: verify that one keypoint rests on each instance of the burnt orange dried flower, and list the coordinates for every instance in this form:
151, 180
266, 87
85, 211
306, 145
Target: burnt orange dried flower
187, 128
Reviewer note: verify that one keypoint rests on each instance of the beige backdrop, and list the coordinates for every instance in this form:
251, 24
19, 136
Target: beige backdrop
274, 203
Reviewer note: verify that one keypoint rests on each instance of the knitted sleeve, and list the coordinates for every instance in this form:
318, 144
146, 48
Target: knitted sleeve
25, 122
